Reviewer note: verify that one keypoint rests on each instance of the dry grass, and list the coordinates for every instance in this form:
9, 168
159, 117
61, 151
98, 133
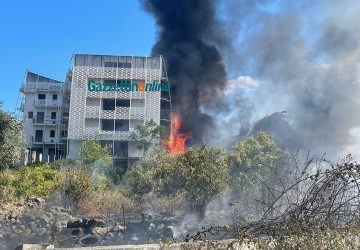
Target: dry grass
108, 202
167, 205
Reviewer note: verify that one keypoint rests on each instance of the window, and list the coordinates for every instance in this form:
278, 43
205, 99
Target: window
38, 135
51, 151
107, 125
107, 143
53, 115
30, 114
121, 125
120, 149
108, 104
110, 64
64, 133
124, 65
52, 133
41, 96
122, 103
54, 97
40, 117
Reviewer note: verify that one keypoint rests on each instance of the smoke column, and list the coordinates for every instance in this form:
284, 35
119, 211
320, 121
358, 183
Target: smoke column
305, 56
187, 38
296, 56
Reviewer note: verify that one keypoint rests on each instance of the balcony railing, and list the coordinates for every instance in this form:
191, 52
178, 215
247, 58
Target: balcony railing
35, 86
35, 140
42, 103
118, 113
45, 120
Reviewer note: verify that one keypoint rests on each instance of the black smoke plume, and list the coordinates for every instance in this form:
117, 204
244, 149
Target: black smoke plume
187, 38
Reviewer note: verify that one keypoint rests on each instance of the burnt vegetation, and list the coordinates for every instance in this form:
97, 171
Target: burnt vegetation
316, 209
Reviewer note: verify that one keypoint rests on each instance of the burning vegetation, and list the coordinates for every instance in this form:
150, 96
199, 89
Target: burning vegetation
176, 143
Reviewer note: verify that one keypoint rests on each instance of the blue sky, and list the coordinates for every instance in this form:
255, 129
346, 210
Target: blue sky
42, 35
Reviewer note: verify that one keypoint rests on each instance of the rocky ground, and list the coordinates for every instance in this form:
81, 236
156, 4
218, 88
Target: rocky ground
35, 221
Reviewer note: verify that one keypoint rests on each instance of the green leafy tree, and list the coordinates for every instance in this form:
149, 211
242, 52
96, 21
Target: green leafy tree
92, 154
200, 173
139, 182
146, 135
12, 142
251, 163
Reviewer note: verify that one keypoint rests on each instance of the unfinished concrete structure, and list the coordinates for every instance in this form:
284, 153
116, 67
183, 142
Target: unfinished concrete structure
45, 114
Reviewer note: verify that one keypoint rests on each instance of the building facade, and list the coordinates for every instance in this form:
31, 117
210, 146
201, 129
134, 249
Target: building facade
106, 115
45, 112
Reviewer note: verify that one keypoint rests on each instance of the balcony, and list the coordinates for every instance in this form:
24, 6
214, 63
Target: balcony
46, 86
42, 103
40, 120
137, 113
118, 113
43, 140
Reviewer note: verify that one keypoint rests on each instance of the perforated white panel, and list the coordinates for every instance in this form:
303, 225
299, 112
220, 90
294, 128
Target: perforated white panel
142, 69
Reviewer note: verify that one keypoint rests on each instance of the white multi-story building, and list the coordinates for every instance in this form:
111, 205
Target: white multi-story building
107, 115
44, 114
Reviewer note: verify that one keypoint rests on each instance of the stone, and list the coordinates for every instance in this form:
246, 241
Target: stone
43, 221
26, 232
17, 231
160, 226
22, 227
76, 232
27, 218
168, 232
40, 231
119, 228
99, 230
39, 200
33, 226
56, 227
110, 236
11, 236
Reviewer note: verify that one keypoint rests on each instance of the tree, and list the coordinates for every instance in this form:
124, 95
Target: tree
146, 135
200, 173
251, 163
92, 154
12, 141
139, 182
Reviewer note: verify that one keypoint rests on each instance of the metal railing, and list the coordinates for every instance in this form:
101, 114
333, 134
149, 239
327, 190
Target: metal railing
45, 120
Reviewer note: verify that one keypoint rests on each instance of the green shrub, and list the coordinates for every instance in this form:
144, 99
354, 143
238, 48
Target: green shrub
139, 182
41, 181
76, 183
64, 163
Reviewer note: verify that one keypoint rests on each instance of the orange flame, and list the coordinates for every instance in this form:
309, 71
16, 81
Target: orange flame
176, 141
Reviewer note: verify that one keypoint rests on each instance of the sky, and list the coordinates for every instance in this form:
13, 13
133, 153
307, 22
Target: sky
42, 35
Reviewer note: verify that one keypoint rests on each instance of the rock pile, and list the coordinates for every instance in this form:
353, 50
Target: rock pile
39, 222
36, 220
